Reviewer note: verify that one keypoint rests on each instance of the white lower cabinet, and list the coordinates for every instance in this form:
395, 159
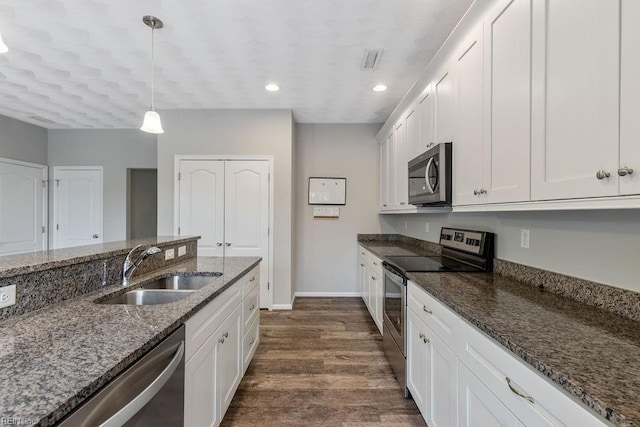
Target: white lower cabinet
221, 339
371, 284
475, 381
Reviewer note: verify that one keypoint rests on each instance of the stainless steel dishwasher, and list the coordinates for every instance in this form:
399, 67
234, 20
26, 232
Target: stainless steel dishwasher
149, 393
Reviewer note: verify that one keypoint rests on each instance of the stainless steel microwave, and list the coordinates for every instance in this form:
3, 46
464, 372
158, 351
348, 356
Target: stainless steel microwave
430, 177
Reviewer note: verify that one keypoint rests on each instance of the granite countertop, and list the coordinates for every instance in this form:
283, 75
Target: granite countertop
592, 353
11, 265
52, 359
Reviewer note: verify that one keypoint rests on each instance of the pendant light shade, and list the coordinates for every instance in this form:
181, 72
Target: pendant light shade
3, 47
151, 122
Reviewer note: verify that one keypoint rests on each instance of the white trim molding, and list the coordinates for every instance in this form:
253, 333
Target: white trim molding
328, 294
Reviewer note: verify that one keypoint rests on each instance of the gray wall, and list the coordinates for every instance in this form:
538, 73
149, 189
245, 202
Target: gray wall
115, 150
235, 132
327, 249
142, 203
602, 246
22, 141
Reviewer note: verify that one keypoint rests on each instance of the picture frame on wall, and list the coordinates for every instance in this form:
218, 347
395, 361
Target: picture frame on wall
327, 191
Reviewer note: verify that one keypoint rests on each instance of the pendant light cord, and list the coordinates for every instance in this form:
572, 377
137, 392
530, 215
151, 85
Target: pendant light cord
152, 64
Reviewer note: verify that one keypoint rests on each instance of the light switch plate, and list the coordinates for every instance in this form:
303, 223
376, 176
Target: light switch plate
182, 250
326, 213
7, 296
169, 254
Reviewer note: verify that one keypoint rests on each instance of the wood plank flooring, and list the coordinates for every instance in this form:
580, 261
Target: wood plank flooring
320, 364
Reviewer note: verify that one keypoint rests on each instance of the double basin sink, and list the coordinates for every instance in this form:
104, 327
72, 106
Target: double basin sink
163, 290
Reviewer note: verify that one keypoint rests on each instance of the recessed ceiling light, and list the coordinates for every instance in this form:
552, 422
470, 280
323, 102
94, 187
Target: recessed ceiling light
272, 87
379, 88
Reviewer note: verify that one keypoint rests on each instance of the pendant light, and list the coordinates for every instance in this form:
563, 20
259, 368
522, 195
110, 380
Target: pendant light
151, 122
3, 47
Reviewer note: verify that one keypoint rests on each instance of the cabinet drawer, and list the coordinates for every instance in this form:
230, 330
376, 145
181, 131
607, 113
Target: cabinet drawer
373, 261
250, 306
250, 281
434, 314
200, 327
534, 399
250, 342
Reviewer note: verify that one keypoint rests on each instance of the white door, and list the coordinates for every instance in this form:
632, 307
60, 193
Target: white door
412, 133
443, 105
201, 204
23, 215
417, 361
468, 146
442, 369
77, 198
507, 103
575, 104
630, 99
246, 210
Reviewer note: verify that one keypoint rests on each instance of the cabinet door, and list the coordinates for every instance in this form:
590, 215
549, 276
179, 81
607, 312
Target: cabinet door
427, 115
384, 173
200, 408
391, 171
228, 359
630, 99
201, 208
468, 148
507, 101
362, 278
575, 112
376, 297
477, 406
443, 105
442, 367
412, 133
401, 173
417, 361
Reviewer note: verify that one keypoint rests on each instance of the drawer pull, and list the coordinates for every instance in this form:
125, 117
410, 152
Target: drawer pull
519, 393
426, 310
252, 340
425, 340
252, 307
421, 335
253, 279
226, 335
362, 253
361, 265
373, 278
375, 263
221, 340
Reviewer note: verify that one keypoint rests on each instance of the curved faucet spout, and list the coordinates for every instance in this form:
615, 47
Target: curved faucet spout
128, 267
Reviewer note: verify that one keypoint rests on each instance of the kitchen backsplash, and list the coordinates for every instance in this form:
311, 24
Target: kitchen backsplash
35, 290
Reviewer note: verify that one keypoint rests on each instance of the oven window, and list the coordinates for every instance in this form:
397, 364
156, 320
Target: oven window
393, 304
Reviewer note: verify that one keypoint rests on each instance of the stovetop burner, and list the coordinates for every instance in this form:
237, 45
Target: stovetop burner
415, 264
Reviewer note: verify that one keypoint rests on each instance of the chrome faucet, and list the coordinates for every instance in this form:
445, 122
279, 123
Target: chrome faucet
128, 267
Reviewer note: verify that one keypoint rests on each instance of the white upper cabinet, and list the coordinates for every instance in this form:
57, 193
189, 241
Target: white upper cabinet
468, 146
507, 102
443, 104
412, 133
426, 111
384, 173
575, 103
630, 100
401, 199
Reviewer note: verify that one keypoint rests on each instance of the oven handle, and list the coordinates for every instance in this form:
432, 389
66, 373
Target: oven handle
393, 276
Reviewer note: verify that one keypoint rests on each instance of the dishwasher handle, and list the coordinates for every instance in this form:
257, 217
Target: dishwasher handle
138, 402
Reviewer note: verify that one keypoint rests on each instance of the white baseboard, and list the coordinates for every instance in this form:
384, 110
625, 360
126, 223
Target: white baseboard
329, 294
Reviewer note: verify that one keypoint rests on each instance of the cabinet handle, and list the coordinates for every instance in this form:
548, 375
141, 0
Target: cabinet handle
602, 174
361, 265
519, 393
425, 340
476, 193
218, 243
252, 340
483, 191
373, 278
253, 279
384, 205
375, 263
226, 335
421, 335
228, 244
624, 171
424, 308
402, 203
252, 307
221, 340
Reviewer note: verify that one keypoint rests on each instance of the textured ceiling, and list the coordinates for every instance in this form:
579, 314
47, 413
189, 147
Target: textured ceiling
86, 63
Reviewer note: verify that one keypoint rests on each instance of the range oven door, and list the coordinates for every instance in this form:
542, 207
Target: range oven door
394, 321
430, 177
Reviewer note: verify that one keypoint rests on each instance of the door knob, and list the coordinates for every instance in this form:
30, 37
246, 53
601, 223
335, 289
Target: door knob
95, 236
602, 174
624, 171
228, 244
218, 243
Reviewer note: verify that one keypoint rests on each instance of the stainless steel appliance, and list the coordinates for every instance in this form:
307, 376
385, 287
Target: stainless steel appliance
430, 177
463, 251
149, 393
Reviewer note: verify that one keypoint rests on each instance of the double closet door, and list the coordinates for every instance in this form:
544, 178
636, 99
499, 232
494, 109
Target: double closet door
227, 203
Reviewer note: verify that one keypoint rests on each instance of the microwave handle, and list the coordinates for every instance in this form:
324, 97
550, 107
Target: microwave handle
426, 176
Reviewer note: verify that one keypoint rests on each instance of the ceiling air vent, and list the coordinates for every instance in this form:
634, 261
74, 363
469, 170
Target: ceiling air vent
371, 58
42, 119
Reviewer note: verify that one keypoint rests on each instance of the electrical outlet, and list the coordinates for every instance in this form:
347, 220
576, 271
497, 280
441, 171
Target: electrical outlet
426, 227
7, 296
182, 250
406, 225
169, 254
524, 238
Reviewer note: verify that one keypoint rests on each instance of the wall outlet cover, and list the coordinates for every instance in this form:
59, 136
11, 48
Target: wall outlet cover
182, 250
426, 227
7, 296
169, 254
524, 238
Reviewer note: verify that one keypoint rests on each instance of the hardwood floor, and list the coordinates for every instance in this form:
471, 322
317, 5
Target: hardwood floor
320, 364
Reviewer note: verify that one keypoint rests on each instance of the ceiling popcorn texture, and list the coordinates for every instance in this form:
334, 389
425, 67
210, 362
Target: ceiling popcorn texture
86, 63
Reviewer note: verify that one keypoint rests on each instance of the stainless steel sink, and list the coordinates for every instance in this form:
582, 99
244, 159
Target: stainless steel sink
180, 282
148, 297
